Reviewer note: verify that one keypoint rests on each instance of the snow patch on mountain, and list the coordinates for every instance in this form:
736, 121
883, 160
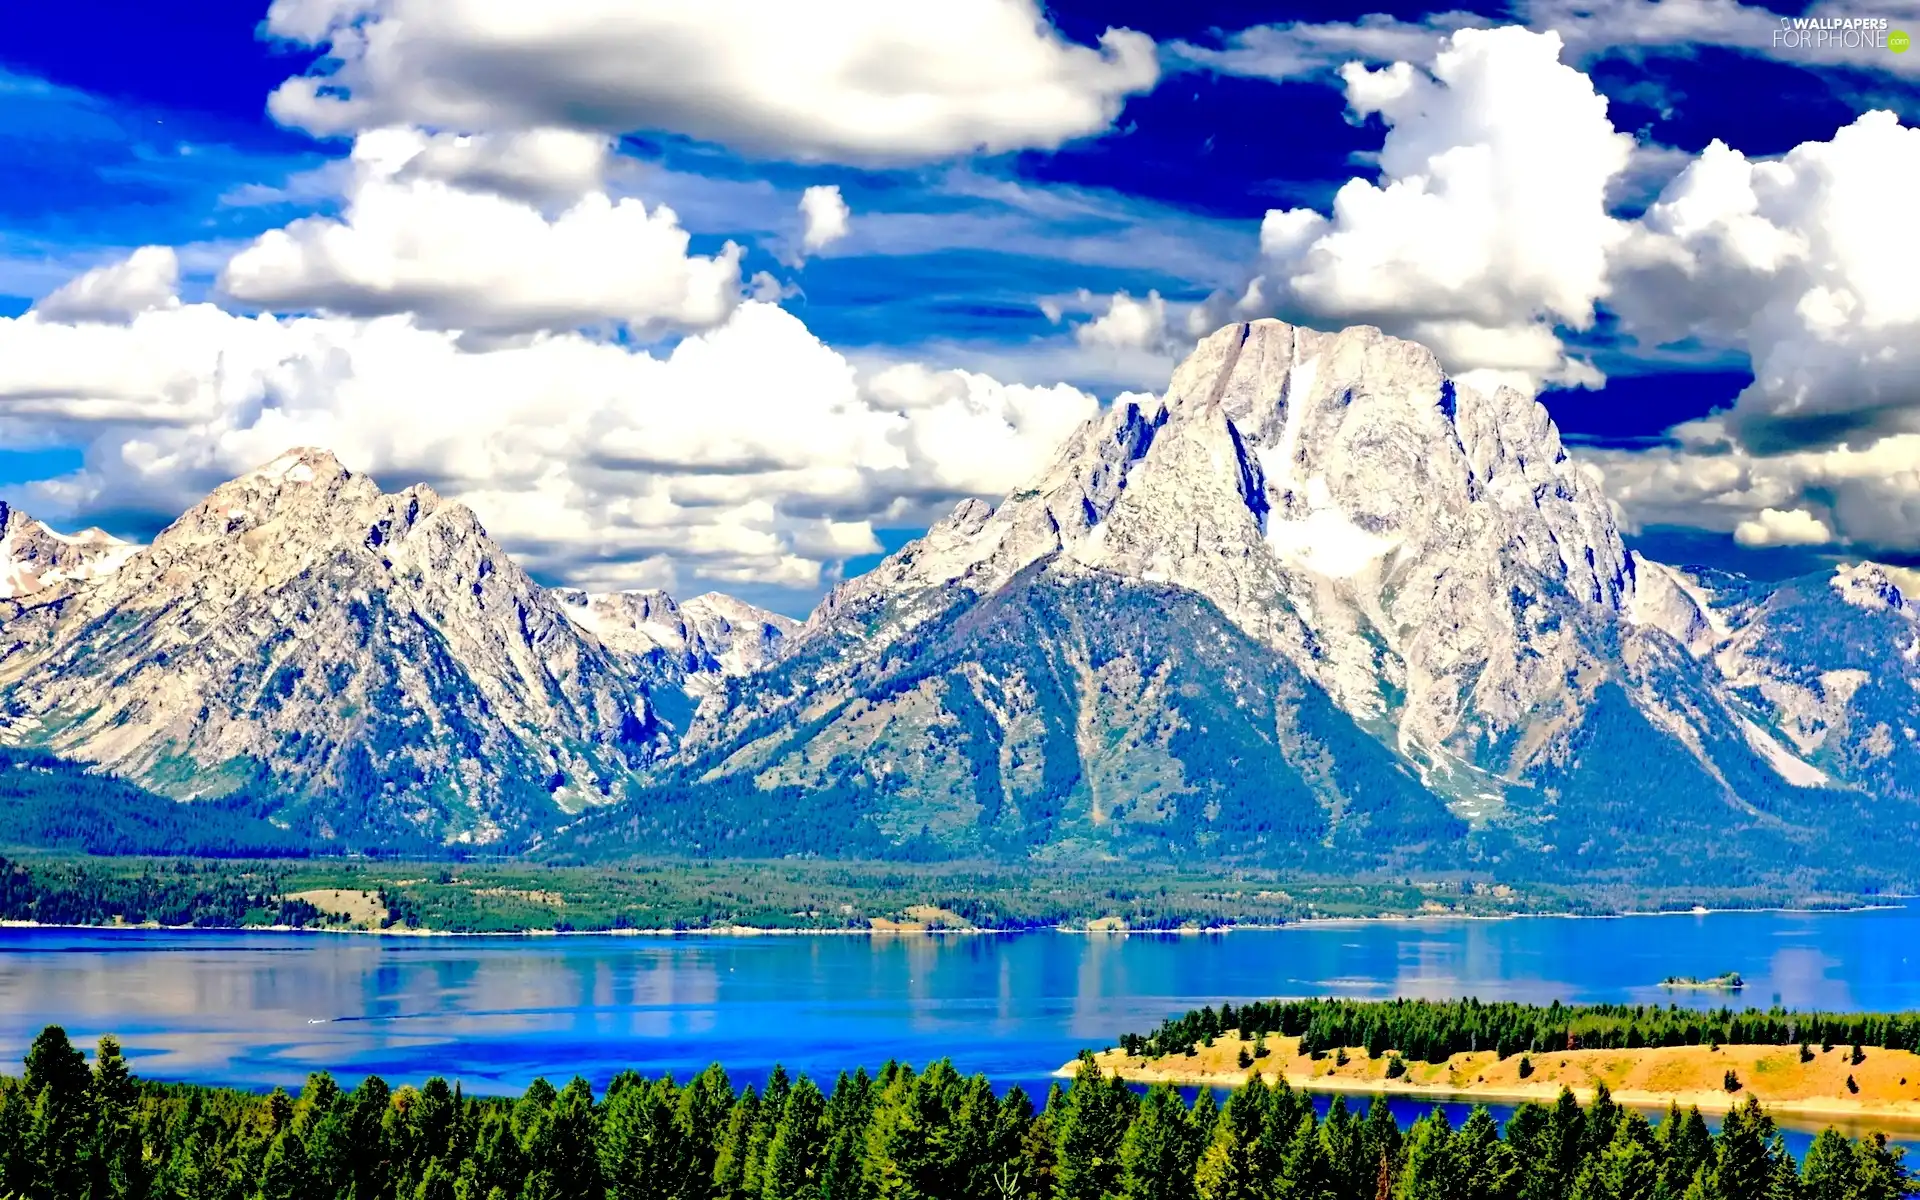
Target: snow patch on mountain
34, 556
712, 635
1868, 585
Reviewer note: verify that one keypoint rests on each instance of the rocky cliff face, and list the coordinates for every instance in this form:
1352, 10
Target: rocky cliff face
680, 655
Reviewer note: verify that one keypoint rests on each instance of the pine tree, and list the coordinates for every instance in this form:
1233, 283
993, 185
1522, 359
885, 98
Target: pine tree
1346, 1151
284, 1174
114, 1155
903, 1160
1380, 1133
1160, 1149
1305, 1173
702, 1117
1093, 1122
437, 1183
794, 1155
848, 1112
1744, 1156
1628, 1168
1686, 1149
56, 1090
642, 1152
1880, 1172
1427, 1171
1602, 1116
1483, 1164
736, 1147
563, 1163
1831, 1171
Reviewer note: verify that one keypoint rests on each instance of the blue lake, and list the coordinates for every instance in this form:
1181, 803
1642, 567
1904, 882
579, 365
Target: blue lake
259, 1009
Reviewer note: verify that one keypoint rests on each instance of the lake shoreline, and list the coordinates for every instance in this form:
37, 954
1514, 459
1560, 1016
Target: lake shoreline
909, 929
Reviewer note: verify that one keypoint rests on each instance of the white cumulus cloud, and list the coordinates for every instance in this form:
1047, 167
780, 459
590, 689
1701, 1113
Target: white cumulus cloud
1803, 264
1488, 225
413, 239
752, 454
530, 164
834, 80
825, 212
144, 280
1782, 527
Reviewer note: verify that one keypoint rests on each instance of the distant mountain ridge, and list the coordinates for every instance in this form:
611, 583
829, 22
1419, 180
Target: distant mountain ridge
1318, 604
374, 658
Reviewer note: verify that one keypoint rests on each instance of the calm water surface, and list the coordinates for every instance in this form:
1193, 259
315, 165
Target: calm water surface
258, 1009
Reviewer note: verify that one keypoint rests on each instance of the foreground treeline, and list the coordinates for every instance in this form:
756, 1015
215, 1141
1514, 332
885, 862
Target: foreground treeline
1435, 1030
69, 1130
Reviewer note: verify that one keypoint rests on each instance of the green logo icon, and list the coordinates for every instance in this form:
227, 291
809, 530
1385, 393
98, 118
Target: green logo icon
1898, 41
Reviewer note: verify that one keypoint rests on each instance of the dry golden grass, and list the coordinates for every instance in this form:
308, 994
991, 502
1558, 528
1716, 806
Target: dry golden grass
360, 908
1888, 1080
919, 917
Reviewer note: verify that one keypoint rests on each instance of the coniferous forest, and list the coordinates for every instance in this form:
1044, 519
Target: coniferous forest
74, 1129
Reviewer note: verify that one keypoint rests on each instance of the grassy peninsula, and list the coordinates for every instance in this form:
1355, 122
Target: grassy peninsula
1853, 1066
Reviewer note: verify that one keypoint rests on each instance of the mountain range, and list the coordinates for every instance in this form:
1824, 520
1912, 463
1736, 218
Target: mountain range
1316, 605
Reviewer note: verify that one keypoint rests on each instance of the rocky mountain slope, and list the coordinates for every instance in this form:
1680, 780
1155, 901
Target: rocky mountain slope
1316, 605
1392, 555
1829, 663
373, 659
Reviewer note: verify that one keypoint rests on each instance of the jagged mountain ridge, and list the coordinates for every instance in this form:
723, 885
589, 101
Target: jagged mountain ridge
375, 659
33, 556
1317, 605
1068, 712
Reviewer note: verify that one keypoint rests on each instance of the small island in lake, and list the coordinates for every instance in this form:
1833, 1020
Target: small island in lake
1729, 982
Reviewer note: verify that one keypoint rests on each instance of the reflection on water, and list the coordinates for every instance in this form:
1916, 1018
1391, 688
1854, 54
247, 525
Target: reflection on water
264, 1009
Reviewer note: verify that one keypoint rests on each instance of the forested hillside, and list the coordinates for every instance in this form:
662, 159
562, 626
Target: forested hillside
51, 803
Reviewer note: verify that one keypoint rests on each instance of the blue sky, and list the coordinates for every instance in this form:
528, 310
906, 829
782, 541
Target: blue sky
126, 125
